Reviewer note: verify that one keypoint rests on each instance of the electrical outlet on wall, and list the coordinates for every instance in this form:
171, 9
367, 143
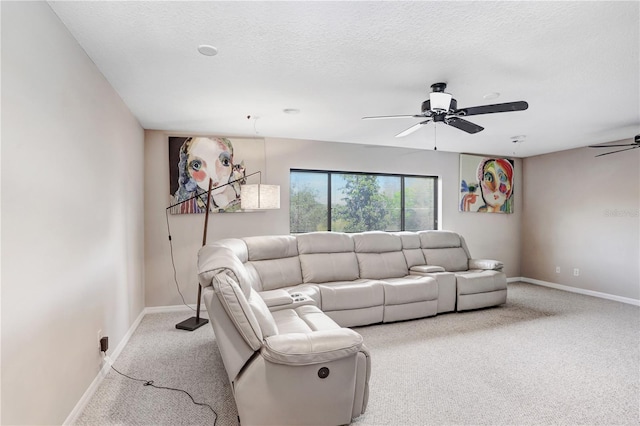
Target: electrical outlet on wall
576, 272
557, 269
104, 344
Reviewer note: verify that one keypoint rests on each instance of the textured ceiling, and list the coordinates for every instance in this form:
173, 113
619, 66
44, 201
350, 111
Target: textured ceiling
577, 64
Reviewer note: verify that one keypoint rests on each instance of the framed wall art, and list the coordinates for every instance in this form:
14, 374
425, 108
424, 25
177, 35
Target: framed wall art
193, 160
486, 184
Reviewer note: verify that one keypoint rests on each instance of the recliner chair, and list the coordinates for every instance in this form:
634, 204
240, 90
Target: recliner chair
291, 366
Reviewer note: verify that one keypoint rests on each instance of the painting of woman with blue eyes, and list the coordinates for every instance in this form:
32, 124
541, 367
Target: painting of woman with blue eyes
493, 177
201, 159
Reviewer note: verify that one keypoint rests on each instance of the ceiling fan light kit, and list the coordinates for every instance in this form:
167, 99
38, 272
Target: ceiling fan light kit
439, 100
441, 107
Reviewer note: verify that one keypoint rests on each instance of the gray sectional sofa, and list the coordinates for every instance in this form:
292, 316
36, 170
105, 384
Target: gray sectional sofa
280, 305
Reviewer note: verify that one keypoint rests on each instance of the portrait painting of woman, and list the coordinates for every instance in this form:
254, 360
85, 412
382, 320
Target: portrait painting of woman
196, 160
486, 184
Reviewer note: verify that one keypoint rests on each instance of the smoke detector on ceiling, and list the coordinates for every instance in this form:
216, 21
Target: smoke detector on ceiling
207, 50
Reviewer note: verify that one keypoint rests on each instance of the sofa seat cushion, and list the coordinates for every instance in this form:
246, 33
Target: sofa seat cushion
409, 289
288, 321
343, 295
304, 319
315, 318
479, 281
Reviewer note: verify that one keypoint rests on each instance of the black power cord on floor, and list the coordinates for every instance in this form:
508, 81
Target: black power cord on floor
175, 273
150, 383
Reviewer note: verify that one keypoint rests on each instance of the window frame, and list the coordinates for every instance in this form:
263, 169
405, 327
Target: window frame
402, 177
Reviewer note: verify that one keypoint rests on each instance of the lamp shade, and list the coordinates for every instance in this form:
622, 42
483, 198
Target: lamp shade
259, 197
440, 101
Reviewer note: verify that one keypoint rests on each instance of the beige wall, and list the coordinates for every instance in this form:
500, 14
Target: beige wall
72, 217
488, 235
582, 212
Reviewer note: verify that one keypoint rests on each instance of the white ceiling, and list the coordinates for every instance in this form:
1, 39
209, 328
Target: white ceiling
576, 63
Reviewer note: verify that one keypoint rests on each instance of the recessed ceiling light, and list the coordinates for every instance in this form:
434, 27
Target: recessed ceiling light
291, 111
492, 95
207, 50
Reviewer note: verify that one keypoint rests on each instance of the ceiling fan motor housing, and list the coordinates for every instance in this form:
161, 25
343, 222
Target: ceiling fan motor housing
438, 87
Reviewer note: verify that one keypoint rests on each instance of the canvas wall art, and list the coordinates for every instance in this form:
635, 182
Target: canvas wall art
193, 160
486, 184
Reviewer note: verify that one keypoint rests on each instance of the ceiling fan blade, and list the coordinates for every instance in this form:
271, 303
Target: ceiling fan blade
610, 146
490, 109
412, 129
607, 153
384, 117
464, 125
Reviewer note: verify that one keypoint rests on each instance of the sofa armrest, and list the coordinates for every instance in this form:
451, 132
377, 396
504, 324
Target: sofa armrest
277, 297
485, 264
311, 348
426, 269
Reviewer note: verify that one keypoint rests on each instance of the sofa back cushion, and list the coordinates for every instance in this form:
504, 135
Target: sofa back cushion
237, 246
214, 258
451, 259
274, 259
237, 307
444, 248
379, 255
264, 317
326, 257
411, 248
439, 239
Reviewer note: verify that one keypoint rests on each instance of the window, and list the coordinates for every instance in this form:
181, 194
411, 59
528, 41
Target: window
356, 202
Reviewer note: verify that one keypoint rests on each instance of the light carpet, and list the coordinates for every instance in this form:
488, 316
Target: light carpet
547, 357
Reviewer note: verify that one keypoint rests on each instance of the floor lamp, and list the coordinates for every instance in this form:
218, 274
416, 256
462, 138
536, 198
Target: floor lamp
252, 197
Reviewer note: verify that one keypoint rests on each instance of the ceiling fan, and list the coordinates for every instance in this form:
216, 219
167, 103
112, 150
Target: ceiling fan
442, 108
635, 144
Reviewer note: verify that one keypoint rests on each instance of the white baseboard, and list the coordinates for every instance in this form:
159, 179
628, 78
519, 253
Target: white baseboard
106, 365
601, 295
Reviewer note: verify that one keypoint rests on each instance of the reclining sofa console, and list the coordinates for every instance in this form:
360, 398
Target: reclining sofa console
280, 307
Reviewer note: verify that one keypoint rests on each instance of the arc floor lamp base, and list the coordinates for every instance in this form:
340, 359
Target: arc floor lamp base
192, 323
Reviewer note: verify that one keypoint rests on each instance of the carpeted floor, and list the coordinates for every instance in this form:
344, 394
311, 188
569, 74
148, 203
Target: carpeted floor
547, 357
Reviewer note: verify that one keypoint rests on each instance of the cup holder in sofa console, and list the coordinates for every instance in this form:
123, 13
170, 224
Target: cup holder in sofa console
281, 299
